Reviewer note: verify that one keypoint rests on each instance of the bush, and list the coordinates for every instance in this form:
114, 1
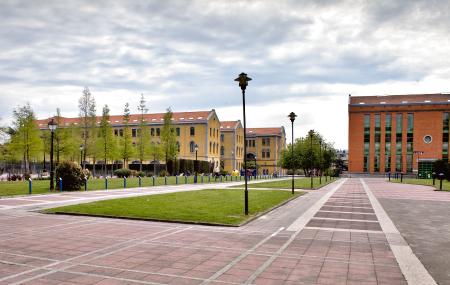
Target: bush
163, 173
71, 174
122, 172
141, 173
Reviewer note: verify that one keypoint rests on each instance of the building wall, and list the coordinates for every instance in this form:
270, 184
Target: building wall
276, 145
428, 120
212, 134
233, 148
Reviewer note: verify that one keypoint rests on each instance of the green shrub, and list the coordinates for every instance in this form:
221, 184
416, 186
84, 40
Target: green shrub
71, 174
141, 173
163, 173
122, 172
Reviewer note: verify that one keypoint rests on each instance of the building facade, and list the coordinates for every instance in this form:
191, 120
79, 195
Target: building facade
398, 133
264, 146
232, 145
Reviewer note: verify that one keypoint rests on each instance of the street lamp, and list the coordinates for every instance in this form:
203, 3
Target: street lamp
243, 82
52, 126
320, 161
311, 133
196, 163
81, 155
292, 116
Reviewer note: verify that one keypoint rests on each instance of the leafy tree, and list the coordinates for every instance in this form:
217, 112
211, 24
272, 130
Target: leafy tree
107, 143
143, 140
86, 104
126, 143
25, 139
169, 138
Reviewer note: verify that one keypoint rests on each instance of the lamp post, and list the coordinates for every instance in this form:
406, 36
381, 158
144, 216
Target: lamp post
196, 163
292, 116
311, 133
325, 152
320, 161
52, 126
243, 82
81, 155
418, 152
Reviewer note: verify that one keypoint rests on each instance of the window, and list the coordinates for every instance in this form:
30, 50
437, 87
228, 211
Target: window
152, 132
178, 146
222, 150
445, 132
192, 131
366, 142
133, 133
158, 132
217, 133
178, 132
376, 166
121, 132
266, 141
387, 143
210, 147
116, 132
398, 141
222, 137
210, 132
192, 146
409, 142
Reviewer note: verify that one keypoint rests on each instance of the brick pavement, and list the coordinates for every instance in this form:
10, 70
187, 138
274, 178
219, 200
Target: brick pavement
341, 244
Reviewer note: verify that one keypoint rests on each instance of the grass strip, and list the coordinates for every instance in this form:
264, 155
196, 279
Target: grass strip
427, 182
224, 206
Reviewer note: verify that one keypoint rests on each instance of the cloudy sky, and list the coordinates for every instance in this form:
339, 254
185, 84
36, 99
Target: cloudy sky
303, 56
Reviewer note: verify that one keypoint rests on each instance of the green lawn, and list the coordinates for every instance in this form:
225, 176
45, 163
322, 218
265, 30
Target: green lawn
429, 182
202, 206
10, 188
299, 183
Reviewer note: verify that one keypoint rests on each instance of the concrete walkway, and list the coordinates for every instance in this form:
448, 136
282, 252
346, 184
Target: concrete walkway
329, 236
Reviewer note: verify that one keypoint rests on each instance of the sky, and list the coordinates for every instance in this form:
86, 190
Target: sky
303, 56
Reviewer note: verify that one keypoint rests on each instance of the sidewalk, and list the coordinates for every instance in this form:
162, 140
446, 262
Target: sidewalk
330, 236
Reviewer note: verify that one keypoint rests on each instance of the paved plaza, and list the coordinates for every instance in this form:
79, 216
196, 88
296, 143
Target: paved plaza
345, 233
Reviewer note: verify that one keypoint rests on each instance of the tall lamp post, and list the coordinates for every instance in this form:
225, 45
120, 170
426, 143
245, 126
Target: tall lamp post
243, 82
311, 133
52, 126
196, 163
320, 161
81, 155
292, 116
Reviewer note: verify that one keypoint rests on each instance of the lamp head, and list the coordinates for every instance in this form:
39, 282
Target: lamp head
243, 80
292, 116
52, 125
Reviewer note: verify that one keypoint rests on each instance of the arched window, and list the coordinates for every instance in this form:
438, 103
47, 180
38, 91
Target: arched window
214, 147
192, 131
191, 146
222, 150
210, 147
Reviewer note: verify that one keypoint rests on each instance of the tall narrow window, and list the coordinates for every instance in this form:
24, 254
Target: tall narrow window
366, 142
192, 131
410, 143
376, 166
445, 123
178, 132
398, 141
192, 146
387, 142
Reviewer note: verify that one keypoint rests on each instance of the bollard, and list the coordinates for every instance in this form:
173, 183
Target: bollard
176, 179
30, 186
60, 184
401, 177
221, 178
153, 178
165, 180
201, 178
389, 175
124, 182
226, 178
209, 178
195, 178
140, 181
85, 183
106, 183
185, 180
434, 178
440, 184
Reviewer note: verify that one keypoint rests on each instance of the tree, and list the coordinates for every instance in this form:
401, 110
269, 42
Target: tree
126, 144
25, 139
143, 141
86, 104
156, 153
168, 138
107, 144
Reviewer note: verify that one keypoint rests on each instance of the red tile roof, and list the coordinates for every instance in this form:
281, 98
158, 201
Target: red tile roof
156, 118
229, 125
265, 131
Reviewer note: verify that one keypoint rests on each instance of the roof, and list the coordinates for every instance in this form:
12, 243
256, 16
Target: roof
400, 99
279, 131
230, 125
155, 118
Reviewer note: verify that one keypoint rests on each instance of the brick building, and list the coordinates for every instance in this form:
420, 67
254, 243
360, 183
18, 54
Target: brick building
398, 133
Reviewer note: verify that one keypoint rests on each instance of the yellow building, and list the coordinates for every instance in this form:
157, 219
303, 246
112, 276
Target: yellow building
264, 145
200, 128
232, 145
